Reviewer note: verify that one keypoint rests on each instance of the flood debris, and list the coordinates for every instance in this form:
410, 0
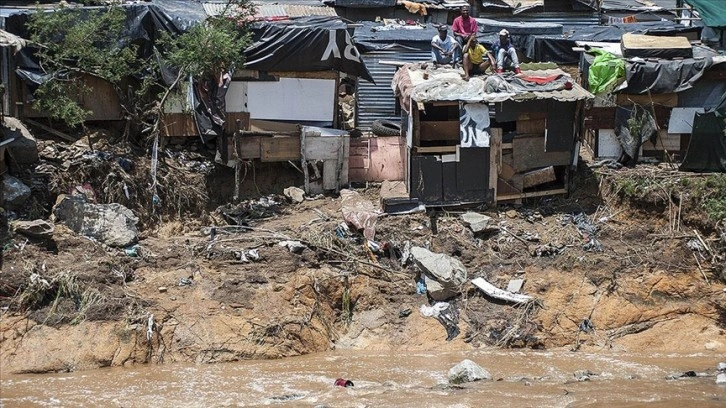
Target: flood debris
444, 275
583, 375
721, 378
588, 230
493, 291
479, 222
295, 194
40, 229
467, 371
296, 247
111, 224
447, 314
515, 285
359, 212
15, 192
342, 382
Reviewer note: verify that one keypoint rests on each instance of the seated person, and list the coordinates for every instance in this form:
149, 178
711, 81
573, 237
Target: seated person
464, 26
476, 58
444, 49
504, 50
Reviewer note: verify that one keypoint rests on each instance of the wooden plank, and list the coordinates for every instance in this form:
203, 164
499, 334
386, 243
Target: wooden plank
309, 75
273, 126
505, 188
51, 130
531, 126
439, 130
250, 147
322, 147
539, 176
435, 149
230, 124
669, 141
507, 171
528, 153
495, 159
282, 148
519, 196
178, 125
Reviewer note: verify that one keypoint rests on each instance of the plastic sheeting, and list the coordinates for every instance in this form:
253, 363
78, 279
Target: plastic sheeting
359, 212
604, 71
712, 12
665, 76
305, 44
707, 149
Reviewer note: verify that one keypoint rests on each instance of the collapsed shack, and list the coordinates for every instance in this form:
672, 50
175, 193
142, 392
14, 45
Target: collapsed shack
648, 110
490, 139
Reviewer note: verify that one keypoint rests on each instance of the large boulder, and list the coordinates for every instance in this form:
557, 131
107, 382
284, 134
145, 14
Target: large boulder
467, 371
24, 149
479, 222
34, 229
437, 291
446, 270
295, 194
15, 192
112, 224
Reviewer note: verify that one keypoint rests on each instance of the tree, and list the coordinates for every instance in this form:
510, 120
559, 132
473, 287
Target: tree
75, 41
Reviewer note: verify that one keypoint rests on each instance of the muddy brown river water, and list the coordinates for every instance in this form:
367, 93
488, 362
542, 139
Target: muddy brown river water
405, 379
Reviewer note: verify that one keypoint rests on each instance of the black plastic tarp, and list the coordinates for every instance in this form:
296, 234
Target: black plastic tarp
303, 45
664, 76
372, 36
707, 148
558, 48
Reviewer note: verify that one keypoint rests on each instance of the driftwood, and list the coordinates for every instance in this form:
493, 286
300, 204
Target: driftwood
497, 293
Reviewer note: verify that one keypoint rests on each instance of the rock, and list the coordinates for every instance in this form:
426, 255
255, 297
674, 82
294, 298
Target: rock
35, 229
467, 371
446, 270
111, 224
436, 290
163, 289
721, 379
713, 345
296, 195
721, 367
296, 247
583, 375
24, 149
15, 192
479, 222
511, 214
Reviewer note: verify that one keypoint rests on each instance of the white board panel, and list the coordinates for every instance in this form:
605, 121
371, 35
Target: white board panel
681, 120
292, 99
236, 98
607, 144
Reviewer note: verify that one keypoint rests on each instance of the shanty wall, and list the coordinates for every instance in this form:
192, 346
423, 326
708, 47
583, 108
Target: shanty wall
530, 149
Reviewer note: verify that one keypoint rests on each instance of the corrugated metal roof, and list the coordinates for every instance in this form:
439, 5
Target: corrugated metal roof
268, 11
447, 85
376, 101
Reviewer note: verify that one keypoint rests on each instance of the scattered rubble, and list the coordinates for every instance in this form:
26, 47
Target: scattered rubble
721, 378
467, 371
295, 194
15, 192
111, 224
35, 229
446, 270
479, 222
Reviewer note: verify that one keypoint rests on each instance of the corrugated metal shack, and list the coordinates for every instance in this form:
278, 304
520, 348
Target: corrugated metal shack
490, 139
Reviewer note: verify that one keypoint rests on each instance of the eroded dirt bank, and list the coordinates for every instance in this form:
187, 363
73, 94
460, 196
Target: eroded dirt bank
648, 288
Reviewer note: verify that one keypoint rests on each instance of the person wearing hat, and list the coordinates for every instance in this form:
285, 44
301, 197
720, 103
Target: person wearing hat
464, 26
444, 49
504, 49
476, 58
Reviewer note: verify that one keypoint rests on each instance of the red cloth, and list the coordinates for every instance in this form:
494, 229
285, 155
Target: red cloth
464, 27
541, 80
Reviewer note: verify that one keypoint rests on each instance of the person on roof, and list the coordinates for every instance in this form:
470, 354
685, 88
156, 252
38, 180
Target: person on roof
464, 26
444, 49
505, 52
476, 58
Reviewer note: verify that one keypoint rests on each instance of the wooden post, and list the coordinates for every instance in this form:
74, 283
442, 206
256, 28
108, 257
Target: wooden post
303, 160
